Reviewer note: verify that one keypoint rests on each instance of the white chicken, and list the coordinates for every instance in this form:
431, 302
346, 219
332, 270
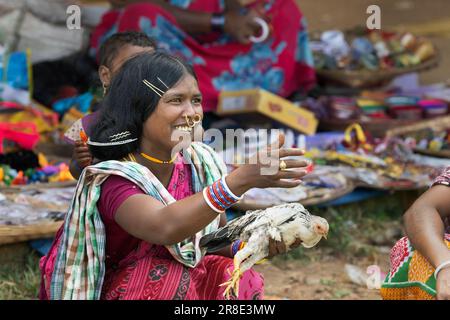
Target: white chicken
286, 222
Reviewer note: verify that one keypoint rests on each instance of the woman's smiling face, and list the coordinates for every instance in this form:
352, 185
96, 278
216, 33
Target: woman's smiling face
168, 122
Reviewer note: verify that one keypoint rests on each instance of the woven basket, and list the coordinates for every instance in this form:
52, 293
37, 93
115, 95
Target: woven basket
20, 233
368, 79
439, 123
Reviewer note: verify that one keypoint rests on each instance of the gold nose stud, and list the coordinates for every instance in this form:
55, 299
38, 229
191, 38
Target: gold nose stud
192, 122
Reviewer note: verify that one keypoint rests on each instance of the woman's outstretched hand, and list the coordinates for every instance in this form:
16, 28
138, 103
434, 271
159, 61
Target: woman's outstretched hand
263, 169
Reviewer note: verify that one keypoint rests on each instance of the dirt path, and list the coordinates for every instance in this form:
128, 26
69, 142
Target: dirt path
323, 279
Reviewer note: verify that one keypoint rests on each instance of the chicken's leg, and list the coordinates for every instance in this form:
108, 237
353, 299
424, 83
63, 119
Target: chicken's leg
255, 243
233, 283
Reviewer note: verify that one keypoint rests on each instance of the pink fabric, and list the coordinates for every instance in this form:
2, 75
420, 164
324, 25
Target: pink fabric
115, 190
283, 64
150, 273
136, 269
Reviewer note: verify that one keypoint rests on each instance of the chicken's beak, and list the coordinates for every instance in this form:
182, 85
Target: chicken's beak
325, 236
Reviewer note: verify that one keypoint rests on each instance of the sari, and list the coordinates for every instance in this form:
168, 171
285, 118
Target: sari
283, 64
77, 267
411, 276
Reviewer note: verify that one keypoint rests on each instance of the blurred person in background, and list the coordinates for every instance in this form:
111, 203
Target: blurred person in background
215, 37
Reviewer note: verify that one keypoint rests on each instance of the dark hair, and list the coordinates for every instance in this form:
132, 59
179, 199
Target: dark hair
130, 102
109, 49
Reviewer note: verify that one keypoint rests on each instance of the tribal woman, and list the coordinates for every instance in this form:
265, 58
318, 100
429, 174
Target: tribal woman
134, 224
420, 262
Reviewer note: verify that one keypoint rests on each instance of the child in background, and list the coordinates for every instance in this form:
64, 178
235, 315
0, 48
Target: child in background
113, 53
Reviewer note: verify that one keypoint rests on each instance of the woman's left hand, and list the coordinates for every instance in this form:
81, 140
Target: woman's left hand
279, 247
241, 27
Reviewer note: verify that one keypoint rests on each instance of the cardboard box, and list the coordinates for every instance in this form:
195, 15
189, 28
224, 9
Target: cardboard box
256, 102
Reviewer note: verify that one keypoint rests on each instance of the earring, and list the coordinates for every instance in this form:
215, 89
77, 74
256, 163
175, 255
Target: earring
104, 89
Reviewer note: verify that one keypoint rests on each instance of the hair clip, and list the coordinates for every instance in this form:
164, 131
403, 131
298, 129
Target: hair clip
113, 140
155, 89
167, 87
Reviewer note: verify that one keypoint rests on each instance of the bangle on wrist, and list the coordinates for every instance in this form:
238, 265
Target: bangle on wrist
209, 203
218, 22
440, 267
237, 246
227, 189
219, 197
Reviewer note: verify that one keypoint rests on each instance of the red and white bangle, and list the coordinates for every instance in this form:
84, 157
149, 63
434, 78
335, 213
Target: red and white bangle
219, 197
209, 203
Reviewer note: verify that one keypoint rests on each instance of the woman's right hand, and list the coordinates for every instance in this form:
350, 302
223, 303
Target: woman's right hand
241, 27
262, 171
443, 284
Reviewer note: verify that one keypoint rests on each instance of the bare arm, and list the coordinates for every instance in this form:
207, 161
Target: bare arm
194, 22
148, 219
190, 21
424, 223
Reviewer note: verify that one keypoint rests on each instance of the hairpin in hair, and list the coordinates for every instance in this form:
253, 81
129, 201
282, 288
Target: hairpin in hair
155, 89
165, 85
115, 140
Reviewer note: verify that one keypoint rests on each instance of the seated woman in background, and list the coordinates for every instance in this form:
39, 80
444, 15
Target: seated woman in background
214, 37
420, 262
133, 228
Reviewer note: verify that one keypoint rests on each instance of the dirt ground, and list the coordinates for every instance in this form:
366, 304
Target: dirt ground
324, 279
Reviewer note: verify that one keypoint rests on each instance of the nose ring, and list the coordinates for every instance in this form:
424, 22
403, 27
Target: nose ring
192, 122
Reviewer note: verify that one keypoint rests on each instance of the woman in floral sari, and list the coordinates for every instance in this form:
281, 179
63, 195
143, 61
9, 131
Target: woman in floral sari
214, 37
420, 262
134, 225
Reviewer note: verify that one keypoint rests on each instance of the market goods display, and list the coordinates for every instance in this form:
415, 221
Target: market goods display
24, 168
388, 164
319, 186
363, 58
32, 214
431, 137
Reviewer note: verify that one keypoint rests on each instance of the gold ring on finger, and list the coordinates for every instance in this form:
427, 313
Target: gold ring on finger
283, 165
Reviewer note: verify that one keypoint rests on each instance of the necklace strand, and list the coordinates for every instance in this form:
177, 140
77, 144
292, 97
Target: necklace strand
146, 156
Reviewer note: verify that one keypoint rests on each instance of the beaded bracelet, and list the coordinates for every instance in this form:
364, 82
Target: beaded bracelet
219, 197
236, 246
